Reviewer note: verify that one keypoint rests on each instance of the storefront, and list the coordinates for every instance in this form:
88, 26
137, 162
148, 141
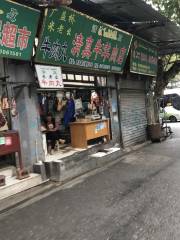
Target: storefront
133, 92
17, 36
133, 114
82, 109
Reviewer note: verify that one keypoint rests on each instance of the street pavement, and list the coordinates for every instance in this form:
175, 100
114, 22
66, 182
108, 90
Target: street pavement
176, 128
136, 199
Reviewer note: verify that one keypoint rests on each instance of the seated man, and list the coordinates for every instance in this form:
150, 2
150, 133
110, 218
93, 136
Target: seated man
52, 132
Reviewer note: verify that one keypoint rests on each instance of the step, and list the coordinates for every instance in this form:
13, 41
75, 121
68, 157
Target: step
65, 169
105, 152
8, 171
107, 156
14, 186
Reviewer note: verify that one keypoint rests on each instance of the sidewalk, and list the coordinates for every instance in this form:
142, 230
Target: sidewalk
61, 172
100, 206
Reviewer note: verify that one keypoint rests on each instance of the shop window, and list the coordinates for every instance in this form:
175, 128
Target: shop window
91, 78
58, 110
70, 77
85, 78
64, 76
78, 77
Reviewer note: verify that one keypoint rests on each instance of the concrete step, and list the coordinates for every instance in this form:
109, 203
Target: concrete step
68, 168
73, 166
8, 171
14, 186
106, 156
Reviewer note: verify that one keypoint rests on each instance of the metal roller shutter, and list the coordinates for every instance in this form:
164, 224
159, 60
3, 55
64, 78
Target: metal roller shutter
133, 118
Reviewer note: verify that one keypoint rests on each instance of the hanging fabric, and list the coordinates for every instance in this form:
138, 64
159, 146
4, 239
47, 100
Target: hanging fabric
14, 112
5, 103
3, 122
69, 112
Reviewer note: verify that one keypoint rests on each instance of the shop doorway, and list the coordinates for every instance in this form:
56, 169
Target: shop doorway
66, 114
133, 117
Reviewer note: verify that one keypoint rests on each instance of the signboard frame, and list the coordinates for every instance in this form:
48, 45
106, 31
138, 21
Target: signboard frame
55, 79
91, 39
17, 33
146, 57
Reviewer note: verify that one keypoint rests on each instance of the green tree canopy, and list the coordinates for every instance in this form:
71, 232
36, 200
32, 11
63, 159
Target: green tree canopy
169, 8
168, 66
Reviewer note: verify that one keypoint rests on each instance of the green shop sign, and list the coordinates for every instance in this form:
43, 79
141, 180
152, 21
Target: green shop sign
18, 26
143, 57
72, 38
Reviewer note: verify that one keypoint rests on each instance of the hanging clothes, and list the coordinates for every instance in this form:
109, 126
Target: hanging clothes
5, 103
43, 102
3, 121
51, 104
69, 112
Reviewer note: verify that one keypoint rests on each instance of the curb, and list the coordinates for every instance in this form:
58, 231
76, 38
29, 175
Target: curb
46, 189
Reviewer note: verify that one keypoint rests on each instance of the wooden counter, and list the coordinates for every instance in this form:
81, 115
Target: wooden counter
81, 132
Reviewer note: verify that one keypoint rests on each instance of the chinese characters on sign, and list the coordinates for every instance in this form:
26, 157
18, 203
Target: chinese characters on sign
66, 41
17, 33
49, 76
143, 57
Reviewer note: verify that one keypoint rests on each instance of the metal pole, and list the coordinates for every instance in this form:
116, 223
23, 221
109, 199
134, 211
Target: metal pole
119, 111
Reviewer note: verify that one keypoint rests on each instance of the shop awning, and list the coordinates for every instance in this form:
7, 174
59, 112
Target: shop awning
134, 16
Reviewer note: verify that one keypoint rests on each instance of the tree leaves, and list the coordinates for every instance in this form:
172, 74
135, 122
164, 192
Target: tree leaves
169, 8
168, 66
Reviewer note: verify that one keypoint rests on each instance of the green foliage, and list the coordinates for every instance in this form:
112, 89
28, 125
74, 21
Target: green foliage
169, 8
169, 60
169, 65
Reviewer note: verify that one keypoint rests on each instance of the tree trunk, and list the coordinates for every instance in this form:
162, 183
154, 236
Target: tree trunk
163, 77
162, 80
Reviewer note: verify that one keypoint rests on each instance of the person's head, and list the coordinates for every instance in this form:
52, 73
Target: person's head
68, 95
60, 94
94, 95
